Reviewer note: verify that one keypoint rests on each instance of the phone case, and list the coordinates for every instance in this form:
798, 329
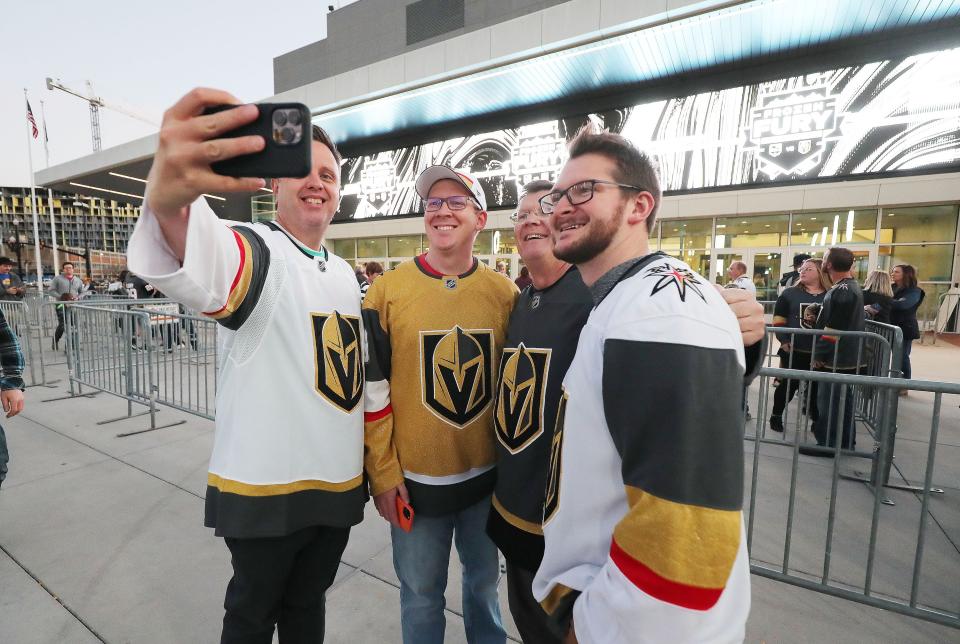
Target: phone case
404, 514
275, 160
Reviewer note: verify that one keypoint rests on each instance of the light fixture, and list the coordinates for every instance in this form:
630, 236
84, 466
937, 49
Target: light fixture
836, 224
126, 176
823, 236
849, 233
721, 225
766, 225
813, 240
113, 192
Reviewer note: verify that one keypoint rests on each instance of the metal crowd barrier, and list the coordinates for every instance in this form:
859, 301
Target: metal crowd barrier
148, 353
18, 318
948, 314
879, 354
807, 527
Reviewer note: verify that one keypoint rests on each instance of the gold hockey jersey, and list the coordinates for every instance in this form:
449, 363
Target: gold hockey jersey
433, 343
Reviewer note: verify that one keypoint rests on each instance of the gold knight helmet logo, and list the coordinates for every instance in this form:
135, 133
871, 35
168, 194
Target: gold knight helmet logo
522, 381
456, 373
337, 359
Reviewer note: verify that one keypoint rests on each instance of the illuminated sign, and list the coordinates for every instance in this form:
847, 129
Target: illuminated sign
789, 130
897, 115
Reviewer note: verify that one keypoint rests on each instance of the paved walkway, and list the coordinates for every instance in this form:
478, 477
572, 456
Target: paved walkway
101, 540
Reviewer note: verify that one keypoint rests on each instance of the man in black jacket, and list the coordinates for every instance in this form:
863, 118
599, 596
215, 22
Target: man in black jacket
842, 310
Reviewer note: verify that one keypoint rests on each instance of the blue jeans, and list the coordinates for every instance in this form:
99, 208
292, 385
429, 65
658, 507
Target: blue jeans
905, 362
421, 559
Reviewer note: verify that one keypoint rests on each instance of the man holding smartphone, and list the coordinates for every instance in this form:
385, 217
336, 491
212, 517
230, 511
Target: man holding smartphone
285, 482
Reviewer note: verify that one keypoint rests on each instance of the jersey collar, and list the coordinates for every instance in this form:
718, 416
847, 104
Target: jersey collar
309, 252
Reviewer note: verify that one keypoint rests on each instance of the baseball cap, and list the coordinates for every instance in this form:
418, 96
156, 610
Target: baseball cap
6, 260
439, 172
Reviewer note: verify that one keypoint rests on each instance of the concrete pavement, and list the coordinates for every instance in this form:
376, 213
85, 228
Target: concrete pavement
101, 539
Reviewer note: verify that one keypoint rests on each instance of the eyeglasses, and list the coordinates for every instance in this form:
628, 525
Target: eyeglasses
577, 194
457, 202
521, 216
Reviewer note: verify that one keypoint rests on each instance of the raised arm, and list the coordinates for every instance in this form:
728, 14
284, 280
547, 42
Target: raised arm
189, 143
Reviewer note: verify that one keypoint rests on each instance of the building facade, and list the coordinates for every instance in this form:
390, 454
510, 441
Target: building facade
102, 225
779, 127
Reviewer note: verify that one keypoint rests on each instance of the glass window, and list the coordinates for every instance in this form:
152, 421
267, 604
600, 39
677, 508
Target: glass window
505, 242
345, 248
751, 232
372, 247
934, 263
405, 246
483, 245
766, 275
834, 228
922, 224
683, 234
698, 260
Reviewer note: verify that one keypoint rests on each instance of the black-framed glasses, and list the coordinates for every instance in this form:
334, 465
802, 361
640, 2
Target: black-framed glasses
577, 194
521, 216
456, 202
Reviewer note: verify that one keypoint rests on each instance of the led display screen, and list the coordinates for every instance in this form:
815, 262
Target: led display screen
897, 115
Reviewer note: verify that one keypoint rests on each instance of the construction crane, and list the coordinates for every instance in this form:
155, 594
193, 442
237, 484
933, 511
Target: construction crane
96, 103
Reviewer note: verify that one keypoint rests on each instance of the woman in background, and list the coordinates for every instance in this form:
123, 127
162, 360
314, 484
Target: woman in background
907, 297
793, 310
877, 296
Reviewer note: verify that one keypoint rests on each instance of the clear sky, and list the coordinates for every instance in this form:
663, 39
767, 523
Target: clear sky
140, 55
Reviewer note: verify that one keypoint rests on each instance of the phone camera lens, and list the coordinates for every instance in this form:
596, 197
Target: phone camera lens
280, 118
294, 117
287, 135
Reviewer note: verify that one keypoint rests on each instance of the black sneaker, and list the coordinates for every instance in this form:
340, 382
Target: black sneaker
776, 424
816, 450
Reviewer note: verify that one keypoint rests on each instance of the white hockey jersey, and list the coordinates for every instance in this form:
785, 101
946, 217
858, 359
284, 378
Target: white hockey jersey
642, 519
288, 446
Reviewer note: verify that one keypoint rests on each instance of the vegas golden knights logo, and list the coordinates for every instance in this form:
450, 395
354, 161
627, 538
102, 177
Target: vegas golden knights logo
337, 359
456, 373
521, 387
552, 500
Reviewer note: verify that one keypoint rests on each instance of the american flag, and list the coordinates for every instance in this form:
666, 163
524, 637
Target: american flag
33, 121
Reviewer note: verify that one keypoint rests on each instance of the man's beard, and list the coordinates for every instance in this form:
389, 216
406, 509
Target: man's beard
601, 234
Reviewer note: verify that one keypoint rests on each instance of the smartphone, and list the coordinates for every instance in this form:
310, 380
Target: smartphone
286, 128
404, 514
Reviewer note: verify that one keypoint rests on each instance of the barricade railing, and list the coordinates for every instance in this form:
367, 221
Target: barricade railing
18, 318
808, 527
768, 306
108, 350
184, 366
878, 353
948, 313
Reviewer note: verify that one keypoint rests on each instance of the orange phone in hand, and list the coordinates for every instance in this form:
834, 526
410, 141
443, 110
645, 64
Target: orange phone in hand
404, 514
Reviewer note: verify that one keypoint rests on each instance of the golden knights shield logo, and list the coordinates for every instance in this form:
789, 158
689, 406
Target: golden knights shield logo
456, 373
337, 359
521, 387
552, 499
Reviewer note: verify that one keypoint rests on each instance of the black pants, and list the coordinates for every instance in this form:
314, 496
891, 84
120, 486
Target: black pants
831, 423
281, 581
533, 624
59, 332
786, 389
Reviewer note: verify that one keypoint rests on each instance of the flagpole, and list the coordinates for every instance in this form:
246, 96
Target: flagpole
33, 206
53, 217
46, 148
